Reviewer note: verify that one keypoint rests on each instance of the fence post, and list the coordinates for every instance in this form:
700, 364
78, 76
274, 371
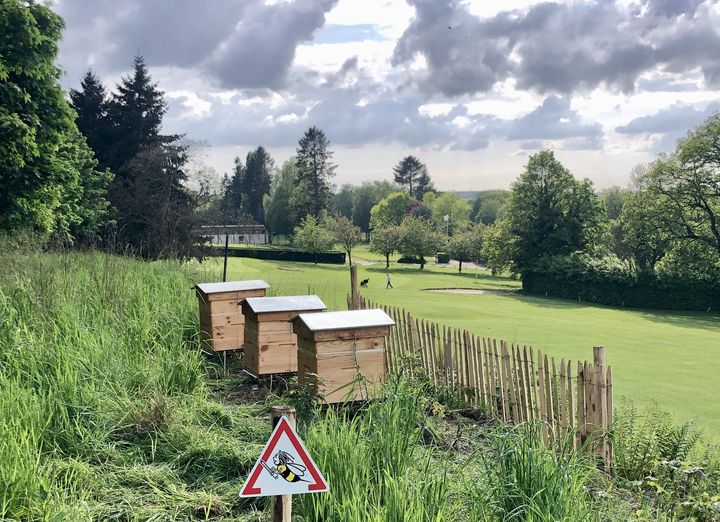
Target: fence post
354, 297
282, 504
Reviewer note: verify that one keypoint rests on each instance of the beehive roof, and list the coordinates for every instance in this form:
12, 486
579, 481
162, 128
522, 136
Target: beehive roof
232, 286
346, 320
285, 303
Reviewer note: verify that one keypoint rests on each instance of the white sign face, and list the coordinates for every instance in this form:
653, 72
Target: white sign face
284, 467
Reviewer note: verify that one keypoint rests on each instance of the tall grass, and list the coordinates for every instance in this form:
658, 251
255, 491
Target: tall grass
98, 358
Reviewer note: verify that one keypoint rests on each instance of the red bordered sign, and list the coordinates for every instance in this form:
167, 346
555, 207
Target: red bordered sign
284, 468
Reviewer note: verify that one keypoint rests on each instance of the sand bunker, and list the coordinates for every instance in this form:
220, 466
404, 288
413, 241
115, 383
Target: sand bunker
475, 291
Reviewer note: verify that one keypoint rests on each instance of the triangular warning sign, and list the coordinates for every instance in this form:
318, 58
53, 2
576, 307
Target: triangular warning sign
284, 467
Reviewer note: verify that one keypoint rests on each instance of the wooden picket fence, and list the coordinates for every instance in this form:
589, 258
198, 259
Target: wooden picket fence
514, 383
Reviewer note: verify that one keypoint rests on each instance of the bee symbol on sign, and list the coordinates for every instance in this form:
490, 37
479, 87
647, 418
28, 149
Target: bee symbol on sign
285, 467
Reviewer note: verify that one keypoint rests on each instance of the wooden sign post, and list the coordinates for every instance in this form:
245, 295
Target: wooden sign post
282, 504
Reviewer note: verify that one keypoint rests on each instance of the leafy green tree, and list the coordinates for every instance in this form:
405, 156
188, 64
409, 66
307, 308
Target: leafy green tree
345, 233
419, 239
451, 205
386, 241
315, 169
487, 206
640, 236
277, 218
467, 246
343, 201
49, 181
550, 212
311, 236
365, 197
256, 183
613, 198
390, 210
499, 246
91, 105
407, 173
689, 181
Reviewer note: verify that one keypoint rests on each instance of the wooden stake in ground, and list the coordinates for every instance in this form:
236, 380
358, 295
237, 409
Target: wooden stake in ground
282, 505
354, 296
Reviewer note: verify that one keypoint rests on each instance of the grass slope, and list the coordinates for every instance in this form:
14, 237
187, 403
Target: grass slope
669, 357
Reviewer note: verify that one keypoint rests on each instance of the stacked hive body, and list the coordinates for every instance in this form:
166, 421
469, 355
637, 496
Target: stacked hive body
336, 348
270, 344
222, 325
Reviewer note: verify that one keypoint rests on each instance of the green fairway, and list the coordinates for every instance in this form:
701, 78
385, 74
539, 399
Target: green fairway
669, 357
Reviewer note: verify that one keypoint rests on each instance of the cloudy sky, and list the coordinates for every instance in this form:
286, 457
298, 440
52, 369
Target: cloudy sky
471, 87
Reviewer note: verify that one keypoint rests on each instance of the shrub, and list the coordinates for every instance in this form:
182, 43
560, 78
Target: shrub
443, 257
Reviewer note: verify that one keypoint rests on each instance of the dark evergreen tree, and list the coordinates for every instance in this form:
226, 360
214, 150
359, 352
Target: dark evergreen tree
314, 171
408, 172
233, 195
135, 113
256, 183
91, 105
423, 184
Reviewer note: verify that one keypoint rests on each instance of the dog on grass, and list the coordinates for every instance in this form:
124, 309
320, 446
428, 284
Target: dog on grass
364, 282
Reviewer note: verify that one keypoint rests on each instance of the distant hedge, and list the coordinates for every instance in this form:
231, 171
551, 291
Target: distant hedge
604, 282
333, 258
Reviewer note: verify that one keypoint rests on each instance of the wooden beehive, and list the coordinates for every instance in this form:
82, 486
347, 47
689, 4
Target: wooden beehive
222, 324
270, 344
335, 348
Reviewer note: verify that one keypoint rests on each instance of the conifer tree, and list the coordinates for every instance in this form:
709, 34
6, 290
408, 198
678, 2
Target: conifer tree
91, 105
314, 171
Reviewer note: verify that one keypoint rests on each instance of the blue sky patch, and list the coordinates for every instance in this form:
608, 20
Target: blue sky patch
337, 33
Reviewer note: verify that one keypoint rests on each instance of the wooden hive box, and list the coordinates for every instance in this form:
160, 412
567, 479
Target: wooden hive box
333, 348
222, 324
270, 344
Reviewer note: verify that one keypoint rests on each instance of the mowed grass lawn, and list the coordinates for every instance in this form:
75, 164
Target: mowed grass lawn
672, 358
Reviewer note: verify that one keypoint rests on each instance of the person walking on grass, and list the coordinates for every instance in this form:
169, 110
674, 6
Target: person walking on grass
389, 283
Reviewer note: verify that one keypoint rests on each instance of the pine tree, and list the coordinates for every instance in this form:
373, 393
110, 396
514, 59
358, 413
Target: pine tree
408, 171
136, 113
91, 105
314, 170
256, 183
424, 184
234, 198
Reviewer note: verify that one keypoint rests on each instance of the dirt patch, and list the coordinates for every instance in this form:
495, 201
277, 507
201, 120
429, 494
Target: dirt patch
471, 291
288, 269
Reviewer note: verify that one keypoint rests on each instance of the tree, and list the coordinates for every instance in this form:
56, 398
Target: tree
390, 211
499, 246
467, 246
156, 214
408, 172
312, 237
614, 198
550, 212
386, 241
486, 208
277, 217
423, 185
49, 180
343, 201
91, 105
451, 205
689, 181
256, 183
233, 197
314, 171
639, 236
345, 233
419, 239
135, 112
365, 197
